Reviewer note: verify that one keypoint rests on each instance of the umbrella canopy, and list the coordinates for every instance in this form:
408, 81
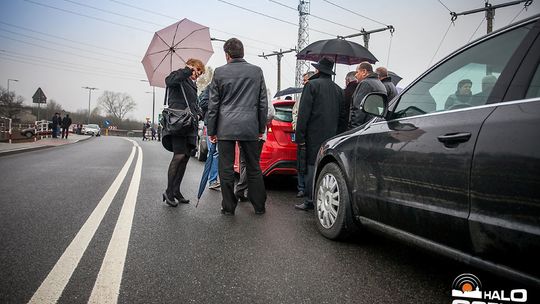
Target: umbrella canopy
339, 50
172, 46
206, 172
289, 91
395, 78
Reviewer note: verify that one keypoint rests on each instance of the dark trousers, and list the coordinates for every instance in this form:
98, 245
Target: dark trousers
308, 194
256, 189
65, 132
242, 184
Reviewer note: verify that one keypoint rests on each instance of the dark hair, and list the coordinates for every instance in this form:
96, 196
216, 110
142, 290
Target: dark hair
234, 48
366, 66
463, 82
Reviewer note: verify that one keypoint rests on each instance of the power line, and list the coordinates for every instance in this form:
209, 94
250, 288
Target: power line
173, 18
64, 45
476, 30
314, 16
88, 16
440, 44
70, 64
348, 10
444, 6
272, 17
57, 50
68, 40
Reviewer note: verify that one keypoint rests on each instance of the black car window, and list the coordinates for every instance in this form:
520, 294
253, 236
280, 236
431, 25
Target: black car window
283, 113
534, 87
464, 80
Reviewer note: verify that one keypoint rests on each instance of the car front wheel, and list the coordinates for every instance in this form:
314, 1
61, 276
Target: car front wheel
333, 205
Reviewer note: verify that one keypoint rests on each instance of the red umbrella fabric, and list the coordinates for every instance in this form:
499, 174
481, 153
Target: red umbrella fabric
172, 46
339, 50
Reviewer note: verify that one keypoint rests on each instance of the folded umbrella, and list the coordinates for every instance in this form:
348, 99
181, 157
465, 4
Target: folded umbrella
206, 172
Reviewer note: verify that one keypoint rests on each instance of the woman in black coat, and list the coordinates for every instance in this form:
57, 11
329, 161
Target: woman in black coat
181, 146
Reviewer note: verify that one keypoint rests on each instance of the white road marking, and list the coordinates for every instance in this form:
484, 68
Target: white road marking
54, 284
107, 286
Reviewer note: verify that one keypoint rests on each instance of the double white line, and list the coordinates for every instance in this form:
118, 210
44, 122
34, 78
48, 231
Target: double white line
107, 286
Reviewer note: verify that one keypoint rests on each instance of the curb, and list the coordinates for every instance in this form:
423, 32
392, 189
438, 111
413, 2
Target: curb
23, 150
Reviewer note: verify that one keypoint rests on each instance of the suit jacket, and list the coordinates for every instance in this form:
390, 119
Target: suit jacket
238, 103
321, 114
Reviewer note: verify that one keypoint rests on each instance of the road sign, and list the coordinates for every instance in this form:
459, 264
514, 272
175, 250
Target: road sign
106, 122
39, 96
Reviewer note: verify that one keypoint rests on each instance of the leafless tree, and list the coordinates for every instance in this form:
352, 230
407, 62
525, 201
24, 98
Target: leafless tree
10, 105
115, 104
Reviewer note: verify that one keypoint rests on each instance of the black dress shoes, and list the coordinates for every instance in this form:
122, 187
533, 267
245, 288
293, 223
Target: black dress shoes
300, 194
225, 212
180, 198
170, 202
304, 206
261, 211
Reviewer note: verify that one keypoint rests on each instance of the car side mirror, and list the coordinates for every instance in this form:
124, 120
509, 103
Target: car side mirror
375, 104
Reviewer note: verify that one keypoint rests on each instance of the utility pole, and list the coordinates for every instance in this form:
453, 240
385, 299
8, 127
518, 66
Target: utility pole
366, 34
490, 11
278, 55
89, 98
303, 39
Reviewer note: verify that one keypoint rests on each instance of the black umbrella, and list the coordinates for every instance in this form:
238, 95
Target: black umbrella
339, 50
395, 78
206, 172
288, 91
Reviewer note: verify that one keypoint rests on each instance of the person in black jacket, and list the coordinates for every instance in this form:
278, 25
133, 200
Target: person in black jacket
391, 90
66, 122
237, 111
350, 86
321, 115
56, 122
181, 86
368, 82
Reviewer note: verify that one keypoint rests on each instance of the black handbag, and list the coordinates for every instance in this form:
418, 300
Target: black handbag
175, 121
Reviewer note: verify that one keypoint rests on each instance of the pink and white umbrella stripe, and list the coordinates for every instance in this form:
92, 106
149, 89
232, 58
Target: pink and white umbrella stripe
172, 46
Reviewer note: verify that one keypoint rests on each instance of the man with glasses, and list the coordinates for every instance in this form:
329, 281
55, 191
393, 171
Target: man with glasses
368, 82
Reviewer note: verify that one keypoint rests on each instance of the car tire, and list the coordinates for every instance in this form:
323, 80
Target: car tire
202, 151
333, 204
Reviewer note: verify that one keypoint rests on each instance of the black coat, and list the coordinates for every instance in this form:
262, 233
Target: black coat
238, 104
391, 90
175, 82
368, 85
348, 95
56, 121
66, 122
321, 115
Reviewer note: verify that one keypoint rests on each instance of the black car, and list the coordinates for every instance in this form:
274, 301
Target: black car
461, 178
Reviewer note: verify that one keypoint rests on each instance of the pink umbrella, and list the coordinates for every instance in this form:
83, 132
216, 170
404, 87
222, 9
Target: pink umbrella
172, 46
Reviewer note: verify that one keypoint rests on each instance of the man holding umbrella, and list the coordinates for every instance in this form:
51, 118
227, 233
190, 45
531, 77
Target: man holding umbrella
321, 116
237, 111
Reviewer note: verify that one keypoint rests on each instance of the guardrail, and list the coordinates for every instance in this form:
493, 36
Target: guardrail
5, 128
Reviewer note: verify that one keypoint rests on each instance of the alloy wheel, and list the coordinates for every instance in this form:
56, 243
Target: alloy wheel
328, 201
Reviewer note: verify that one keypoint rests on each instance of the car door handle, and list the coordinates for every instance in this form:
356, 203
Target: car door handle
454, 138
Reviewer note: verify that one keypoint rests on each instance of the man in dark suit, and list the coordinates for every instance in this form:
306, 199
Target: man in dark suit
237, 111
321, 115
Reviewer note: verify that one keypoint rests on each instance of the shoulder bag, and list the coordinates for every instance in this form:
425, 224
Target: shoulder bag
175, 121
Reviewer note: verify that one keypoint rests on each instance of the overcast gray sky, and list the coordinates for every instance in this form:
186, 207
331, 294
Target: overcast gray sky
63, 45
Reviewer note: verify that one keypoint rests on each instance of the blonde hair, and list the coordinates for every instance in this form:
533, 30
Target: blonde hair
196, 63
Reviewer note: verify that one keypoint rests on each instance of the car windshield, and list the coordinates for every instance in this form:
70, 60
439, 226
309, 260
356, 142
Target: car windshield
93, 126
283, 113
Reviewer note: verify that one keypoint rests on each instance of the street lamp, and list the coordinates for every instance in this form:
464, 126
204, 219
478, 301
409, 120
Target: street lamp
14, 80
153, 100
89, 97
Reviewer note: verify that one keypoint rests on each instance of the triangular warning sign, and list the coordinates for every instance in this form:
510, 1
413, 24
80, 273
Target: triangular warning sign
39, 97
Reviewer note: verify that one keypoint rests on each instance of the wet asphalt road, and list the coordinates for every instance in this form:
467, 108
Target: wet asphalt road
194, 255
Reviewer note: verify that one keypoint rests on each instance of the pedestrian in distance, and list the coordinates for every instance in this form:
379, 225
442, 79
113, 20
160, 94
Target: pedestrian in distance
237, 112
153, 131
182, 93
301, 179
321, 115
368, 82
391, 90
56, 122
159, 128
66, 122
145, 127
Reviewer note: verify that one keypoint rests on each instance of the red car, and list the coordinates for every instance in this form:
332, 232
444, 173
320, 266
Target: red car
278, 154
